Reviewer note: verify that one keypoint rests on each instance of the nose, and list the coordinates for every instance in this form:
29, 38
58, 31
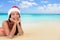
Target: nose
16, 16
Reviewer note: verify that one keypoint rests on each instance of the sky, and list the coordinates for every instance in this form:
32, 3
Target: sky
32, 6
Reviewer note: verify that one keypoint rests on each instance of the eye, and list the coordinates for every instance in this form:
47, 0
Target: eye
17, 13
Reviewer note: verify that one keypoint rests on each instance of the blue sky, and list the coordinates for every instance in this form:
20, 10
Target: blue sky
31, 6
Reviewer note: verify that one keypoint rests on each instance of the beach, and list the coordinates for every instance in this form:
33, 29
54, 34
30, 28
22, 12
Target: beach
37, 28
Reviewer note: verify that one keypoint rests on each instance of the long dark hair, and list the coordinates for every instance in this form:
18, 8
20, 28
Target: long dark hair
10, 24
10, 17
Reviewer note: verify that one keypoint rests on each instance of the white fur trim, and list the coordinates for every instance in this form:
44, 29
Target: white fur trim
13, 9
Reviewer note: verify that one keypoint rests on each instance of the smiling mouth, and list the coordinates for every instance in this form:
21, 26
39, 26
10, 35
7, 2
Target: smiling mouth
15, 18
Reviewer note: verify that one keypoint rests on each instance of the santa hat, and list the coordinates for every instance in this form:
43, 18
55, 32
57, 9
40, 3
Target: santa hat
14, 8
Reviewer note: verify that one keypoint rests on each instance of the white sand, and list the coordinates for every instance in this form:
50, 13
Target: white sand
49, 30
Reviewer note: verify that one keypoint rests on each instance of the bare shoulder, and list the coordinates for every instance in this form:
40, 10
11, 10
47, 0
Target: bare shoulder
4, 23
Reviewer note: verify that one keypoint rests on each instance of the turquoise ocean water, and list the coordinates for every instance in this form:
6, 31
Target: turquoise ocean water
33, 18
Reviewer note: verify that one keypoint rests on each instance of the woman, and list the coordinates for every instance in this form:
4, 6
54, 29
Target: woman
12, 26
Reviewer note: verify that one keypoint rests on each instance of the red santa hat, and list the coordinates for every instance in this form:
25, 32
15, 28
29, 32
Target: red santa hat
14, 8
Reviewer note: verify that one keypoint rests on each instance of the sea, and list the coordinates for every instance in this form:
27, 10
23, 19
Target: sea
32, 18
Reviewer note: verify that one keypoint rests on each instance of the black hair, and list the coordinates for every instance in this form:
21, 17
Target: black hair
10, 17
16, 26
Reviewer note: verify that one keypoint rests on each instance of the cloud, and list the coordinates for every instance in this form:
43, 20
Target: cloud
18, 0
23, 4
11, 1
44, 1
49, 8
14, 1
31, 0
26, 4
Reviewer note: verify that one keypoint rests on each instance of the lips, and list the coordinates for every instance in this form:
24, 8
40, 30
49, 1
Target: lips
15, 18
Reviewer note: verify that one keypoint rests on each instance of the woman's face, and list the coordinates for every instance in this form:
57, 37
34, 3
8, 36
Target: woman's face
14, 15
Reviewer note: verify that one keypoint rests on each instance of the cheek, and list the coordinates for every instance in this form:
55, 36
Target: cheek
12, 16
17, 16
